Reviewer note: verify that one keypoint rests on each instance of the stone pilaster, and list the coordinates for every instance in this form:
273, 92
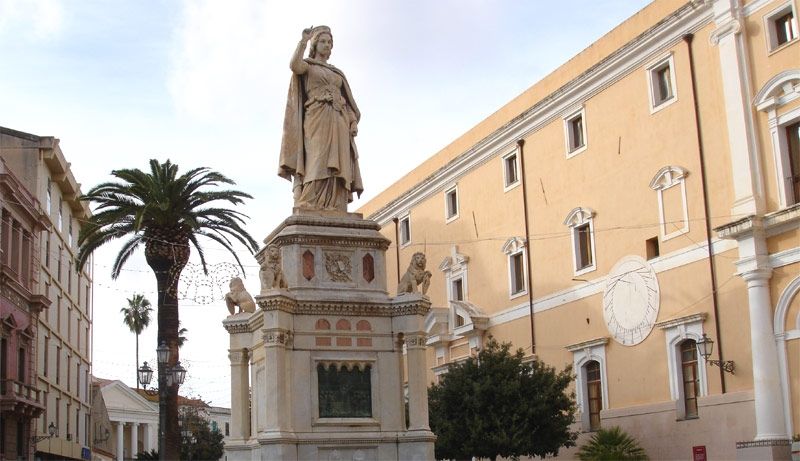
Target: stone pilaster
417, 388
240, 394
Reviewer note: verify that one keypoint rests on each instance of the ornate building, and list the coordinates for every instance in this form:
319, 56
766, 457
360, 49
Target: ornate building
63, 330
640, 199
21, 401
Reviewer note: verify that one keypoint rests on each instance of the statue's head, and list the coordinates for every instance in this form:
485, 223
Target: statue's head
274, 252
419, 261
316, 33
236, 284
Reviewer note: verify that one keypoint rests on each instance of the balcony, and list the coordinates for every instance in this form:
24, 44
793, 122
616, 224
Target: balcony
20, 398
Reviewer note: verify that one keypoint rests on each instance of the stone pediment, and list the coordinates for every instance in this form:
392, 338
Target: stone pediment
121, 398
479, 318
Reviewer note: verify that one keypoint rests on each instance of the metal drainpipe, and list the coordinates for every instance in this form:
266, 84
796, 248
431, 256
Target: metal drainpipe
396, 222
520, 145
711, 263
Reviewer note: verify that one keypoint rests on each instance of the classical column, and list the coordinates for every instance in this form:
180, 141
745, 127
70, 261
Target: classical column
134, 440
275, 395
240, 395
417, 389
146, 434
120, 441
770, 420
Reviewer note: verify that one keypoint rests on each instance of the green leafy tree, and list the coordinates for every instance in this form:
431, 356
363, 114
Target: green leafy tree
611, 444
198, 440
137, 317
497, 405
151, 455
167, 213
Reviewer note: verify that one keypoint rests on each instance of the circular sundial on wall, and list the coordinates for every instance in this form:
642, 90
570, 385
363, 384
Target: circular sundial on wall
631, 300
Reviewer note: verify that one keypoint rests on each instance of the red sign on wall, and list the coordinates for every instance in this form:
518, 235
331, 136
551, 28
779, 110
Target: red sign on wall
699, 453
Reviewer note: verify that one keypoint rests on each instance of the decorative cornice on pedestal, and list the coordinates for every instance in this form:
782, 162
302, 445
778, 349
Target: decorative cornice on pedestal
337, 242
277, 301
242, 322
238, 357
692, 318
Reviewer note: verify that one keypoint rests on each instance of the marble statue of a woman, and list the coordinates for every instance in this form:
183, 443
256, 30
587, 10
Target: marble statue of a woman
318, 152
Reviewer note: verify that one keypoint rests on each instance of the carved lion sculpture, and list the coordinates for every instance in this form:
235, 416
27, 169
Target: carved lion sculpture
238, 296
271, 273
416, 276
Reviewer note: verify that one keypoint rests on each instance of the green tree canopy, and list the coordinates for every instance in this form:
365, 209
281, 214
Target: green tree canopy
198, 440
497, 405
137, 317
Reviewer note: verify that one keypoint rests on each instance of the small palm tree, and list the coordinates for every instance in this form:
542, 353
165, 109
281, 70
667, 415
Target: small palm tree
611, 445
167, 213
137, 317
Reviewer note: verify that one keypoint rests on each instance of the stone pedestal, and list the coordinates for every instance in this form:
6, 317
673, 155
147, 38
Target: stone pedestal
327, 353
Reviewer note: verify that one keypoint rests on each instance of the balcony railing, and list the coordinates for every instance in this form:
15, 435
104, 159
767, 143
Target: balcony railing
18, 396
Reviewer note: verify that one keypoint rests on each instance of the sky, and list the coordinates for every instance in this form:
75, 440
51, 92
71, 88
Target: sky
204, 82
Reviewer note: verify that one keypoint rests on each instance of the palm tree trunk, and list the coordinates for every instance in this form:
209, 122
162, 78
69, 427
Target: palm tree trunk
167, 261
137, 362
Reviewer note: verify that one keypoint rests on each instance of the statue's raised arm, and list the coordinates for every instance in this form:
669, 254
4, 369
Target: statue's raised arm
318, 152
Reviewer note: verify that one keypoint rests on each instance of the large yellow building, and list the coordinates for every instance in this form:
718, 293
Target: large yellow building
643, 196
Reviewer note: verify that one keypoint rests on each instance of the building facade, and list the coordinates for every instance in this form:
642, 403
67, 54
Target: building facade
64, 329
21, 401
641, 198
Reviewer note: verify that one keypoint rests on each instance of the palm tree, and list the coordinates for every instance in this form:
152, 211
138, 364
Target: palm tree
137, 317
612, 444
167, 213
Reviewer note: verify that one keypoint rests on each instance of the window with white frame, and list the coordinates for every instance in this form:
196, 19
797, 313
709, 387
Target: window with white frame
575, 132
591, 386
784, 125
455, 272
510, 170
49, 196
781, 26
451, 203
670, 186
515, 248
661, 79
581, 223
687, 375
60, 216
404, 225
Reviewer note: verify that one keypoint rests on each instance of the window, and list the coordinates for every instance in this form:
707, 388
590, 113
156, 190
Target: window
670, 185
594, 393
227, 429
69, 235
651, 248
451, 204
510, 171
49, 196
687, 380
47, 249
575, 132
405, 230
661, 78
58, 266
689, 377
589, 360
58, 365
455, 271
580, 220
793, 149
781, 26
46, 360
60, 216
784, 123
514, 248
21, 365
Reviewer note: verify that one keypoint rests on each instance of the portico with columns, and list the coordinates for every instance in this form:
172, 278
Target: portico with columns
133, 418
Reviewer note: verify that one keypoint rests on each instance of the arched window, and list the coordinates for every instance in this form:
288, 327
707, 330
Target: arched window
689, 377
594, 393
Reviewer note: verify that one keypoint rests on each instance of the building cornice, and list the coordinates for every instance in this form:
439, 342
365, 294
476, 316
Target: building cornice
636, 53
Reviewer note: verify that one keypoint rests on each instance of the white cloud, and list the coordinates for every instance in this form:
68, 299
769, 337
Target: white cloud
37, 19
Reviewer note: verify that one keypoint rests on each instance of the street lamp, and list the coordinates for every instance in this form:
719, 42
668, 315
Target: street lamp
704, 347
145, 374
52, 431
162, 353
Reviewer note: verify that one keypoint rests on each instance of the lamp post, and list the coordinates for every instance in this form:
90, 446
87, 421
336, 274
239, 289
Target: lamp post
162, 352
166, 378
704, 347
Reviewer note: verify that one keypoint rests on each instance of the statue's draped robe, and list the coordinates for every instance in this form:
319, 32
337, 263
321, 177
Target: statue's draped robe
317, 150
